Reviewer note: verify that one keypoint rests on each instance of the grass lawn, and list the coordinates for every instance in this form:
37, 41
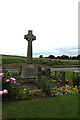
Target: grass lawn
69, 75
65, 106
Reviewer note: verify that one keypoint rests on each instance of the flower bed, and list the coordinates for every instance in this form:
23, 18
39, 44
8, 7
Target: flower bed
66, 90
11, 91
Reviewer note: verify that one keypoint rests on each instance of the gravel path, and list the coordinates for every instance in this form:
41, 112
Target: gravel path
52, 69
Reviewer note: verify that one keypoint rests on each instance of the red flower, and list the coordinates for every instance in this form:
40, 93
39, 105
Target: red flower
70, 81
34, 94
66, 80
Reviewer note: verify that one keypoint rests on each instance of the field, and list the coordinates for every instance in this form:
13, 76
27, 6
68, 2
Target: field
18, 60
55, 107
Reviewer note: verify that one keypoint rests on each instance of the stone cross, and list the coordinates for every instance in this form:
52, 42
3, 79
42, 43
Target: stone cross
29, 37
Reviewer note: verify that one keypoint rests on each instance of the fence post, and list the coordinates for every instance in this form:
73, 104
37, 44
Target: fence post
56, 74
39, 73
62, 77
20, 69
73, 74
48, 73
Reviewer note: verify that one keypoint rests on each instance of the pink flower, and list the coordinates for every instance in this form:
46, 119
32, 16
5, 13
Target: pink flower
5, 91
12, 80
2, 75
7, 80
1, 92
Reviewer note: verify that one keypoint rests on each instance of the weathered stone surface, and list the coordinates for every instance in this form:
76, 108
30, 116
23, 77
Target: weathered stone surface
29, 72
29, 37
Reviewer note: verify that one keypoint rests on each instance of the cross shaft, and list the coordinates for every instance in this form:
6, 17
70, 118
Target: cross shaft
29, 37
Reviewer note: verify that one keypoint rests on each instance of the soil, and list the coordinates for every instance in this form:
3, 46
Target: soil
15, 65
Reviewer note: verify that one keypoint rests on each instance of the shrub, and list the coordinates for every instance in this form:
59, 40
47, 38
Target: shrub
10, 86
39, 82
76, 80
46, 85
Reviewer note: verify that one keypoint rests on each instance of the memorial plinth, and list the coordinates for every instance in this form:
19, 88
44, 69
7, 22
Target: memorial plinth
29, 71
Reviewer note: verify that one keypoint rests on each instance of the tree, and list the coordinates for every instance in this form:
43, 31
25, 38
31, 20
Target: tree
41, 56
64, 57
73, 58
78, 57
58, 57
51, 56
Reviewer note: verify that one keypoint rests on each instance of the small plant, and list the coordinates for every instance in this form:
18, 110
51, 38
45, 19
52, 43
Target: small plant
68, 82
46, 85
23, 94
43, 94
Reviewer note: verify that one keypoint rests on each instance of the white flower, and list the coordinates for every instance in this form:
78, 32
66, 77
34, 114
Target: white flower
13, 80
7, 80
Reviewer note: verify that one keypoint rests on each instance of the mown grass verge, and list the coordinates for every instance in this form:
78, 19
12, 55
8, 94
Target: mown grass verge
54, 107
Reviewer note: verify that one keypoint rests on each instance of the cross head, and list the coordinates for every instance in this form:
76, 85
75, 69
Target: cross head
30, 36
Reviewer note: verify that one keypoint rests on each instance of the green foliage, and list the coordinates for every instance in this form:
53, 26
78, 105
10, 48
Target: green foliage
13, 73
46, 85
10, 87
39, 82
68, 82
55, 75
23, 94
76, 80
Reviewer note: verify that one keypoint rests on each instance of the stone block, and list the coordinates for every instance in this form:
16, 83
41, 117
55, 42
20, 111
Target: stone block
29, 71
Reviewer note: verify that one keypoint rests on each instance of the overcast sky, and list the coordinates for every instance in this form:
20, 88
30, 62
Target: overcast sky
54, 23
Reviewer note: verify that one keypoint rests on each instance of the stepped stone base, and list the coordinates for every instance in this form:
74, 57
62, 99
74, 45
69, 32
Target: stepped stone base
29, 73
